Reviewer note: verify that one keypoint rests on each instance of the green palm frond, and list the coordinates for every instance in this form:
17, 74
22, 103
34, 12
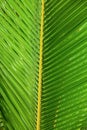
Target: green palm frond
64, 94
43, 82
19, 30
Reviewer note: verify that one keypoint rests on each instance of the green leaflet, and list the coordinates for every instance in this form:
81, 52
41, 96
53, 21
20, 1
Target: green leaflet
64, 68
19, 46
64, 95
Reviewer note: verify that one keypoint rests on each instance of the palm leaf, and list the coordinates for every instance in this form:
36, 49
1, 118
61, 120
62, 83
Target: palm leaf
19, 30
64, 94
43, 48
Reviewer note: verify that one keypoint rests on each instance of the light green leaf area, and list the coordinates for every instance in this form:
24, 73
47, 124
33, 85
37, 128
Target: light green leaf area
19, 47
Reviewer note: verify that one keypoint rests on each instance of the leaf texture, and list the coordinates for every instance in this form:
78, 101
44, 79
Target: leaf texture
19, 46
64, 64
64, 91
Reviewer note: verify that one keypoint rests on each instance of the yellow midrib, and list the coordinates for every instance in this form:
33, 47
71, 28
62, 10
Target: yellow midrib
40, 69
